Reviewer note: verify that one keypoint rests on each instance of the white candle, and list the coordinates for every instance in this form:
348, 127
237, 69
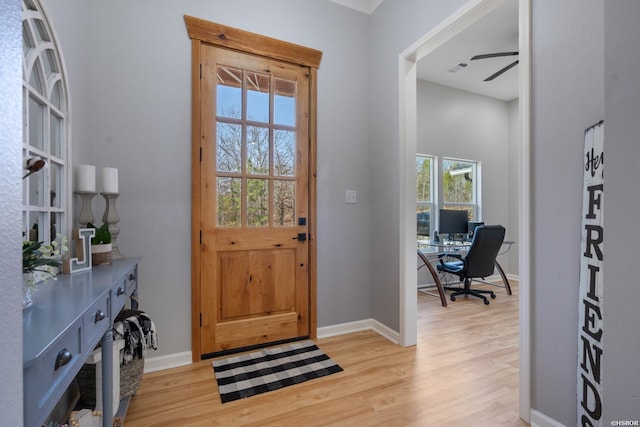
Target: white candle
110, 180
86, 178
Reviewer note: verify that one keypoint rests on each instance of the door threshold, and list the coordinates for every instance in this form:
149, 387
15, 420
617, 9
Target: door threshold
251, 347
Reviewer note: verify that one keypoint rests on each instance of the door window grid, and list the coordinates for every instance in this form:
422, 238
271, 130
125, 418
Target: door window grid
255, 149
45, 198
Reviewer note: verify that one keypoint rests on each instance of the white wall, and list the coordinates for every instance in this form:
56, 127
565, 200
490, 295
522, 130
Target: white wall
566, 101
621, 206
395, 25
11, 211
129, 68
460, 124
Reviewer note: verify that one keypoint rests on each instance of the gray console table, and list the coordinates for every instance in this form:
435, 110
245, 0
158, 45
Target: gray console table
68, 318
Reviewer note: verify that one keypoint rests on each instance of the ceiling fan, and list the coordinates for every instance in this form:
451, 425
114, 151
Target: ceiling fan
496, 55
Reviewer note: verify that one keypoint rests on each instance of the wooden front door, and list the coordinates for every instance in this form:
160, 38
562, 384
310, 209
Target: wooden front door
254, 200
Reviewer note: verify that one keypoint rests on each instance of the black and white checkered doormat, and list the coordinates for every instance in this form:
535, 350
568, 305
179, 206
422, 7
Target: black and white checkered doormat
270, 369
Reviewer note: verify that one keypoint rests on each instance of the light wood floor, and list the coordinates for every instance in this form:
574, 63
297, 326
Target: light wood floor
463, 372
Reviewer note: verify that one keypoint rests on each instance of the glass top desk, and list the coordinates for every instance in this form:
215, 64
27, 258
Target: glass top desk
428, 253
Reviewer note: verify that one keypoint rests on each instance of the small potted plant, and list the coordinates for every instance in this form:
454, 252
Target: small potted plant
40, 262
101, 245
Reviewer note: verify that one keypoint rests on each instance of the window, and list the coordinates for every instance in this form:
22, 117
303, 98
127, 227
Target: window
45, 117
455, 188
459, 186
424, 195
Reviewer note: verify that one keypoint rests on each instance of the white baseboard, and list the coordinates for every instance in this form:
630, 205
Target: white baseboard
538, 419
152, 364
358, 326
498, 278
344, 328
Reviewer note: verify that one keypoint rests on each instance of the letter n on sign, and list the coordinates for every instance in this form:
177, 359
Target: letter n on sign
590, 329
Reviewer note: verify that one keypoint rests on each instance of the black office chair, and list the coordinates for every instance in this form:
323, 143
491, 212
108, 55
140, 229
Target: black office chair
479, 261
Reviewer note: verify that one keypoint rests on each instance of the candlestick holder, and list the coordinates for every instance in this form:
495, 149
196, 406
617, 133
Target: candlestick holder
111, 218
86, 214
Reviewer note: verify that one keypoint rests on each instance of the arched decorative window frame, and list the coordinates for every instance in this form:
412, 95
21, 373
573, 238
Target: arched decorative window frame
47, 193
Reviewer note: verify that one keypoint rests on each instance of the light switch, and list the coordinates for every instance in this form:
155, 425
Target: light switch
352, 196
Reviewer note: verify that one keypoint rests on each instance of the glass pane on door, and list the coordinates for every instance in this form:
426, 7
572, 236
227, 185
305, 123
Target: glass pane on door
229, 92
229, 194
257, 202
257, 150
284, 111
284, 203
228, 147
257, 97
284, 156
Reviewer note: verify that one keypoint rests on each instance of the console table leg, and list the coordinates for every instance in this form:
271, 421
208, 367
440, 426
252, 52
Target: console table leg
107, 378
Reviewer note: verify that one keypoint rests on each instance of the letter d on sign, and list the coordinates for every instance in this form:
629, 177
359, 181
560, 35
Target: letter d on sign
591, 402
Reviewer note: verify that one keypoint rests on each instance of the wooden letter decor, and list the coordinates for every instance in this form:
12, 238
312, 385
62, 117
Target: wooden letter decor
590, 327
82, 261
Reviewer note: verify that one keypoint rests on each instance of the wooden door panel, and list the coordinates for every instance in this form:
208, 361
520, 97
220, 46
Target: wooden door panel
247, 332
231, 239
256, 283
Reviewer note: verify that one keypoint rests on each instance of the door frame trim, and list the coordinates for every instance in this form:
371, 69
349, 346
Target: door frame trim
457, 22
207, 32
244, 41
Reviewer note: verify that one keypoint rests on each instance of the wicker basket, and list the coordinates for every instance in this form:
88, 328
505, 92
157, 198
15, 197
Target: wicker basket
131, 377
131, 372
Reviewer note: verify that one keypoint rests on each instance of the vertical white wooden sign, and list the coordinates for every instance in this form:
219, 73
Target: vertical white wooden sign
590, 329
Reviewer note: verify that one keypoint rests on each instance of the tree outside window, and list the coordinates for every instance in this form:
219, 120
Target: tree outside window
459, 179
424, 196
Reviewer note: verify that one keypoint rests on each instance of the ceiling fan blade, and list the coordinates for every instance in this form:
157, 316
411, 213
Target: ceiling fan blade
494, 55
499, 72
